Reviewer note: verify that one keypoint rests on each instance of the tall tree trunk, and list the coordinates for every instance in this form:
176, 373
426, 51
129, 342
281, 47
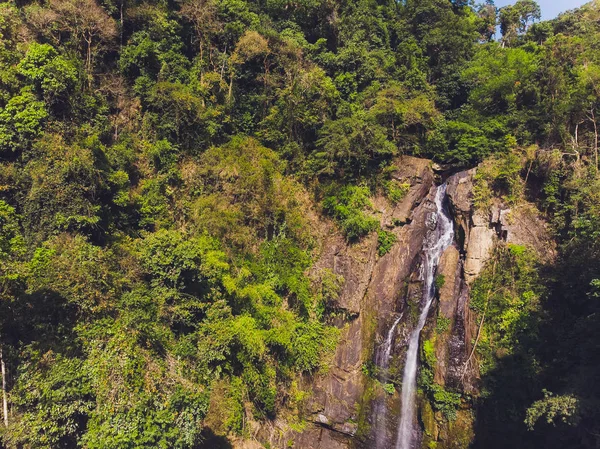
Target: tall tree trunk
4, 398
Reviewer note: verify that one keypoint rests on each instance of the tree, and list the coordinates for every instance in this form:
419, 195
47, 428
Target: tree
21, 121
52, 75
515, 19
350, 146
203, 14
488, 16
12, 246
85, 22
408, 115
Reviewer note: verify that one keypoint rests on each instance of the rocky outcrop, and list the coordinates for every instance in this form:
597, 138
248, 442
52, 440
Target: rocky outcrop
374, 290
478, 245
371, 292
348, 407
523, 225
479, 229
450, 268
474, 231
418, 174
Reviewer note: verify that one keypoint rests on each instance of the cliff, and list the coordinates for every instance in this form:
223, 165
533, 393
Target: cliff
356, 403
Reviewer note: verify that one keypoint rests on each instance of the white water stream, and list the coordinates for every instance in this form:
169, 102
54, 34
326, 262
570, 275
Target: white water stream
437, 240
383, 357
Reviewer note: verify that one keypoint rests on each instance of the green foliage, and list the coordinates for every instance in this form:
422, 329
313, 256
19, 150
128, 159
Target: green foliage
446, 402
498, 177
159, 163
439, 282
350, 146
429, 353
385, 241
553, 408
62, 183
54, 391
395, 192
172, 261
462, 143
442, 324
21, 121
11, 240
389, 388
329, 289
348, 207
241, 195
442, 400
79, 272
54, 75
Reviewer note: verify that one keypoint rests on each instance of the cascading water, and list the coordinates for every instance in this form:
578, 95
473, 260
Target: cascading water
384, 353
437, 240
383, 362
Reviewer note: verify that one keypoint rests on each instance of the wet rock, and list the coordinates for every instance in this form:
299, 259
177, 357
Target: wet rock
376, 290
373, 290
430, 426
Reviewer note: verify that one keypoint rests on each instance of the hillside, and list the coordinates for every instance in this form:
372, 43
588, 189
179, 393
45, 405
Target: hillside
217, 217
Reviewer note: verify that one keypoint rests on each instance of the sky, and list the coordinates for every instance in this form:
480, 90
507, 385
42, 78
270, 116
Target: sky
550, 8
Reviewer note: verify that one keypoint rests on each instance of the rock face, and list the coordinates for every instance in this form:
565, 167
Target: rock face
479, 230
371, 296
371, 293
523, 225
474, 230
379, 302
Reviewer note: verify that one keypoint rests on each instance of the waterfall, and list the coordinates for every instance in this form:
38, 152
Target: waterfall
437, 240
384, 353
383, 362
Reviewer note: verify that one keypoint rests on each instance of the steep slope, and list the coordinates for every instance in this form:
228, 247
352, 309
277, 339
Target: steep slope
357, 403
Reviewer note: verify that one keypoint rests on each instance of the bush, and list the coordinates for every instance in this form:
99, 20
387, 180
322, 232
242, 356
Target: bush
439, 282
442, 324
445, 401
395, 191
347, 207
385, 241
389, 388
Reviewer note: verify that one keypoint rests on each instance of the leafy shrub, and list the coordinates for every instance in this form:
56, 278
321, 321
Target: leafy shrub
389, 388
498, 176
445, 401
439, 282
54, 75
21, 121
348, 206
54, 392
395, 191
385, 241
555, 409
442, 324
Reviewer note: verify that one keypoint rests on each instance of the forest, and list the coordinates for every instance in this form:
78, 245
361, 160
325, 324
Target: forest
165, 165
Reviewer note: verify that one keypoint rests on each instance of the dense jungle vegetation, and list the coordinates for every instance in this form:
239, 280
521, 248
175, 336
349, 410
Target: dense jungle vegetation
157, 162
